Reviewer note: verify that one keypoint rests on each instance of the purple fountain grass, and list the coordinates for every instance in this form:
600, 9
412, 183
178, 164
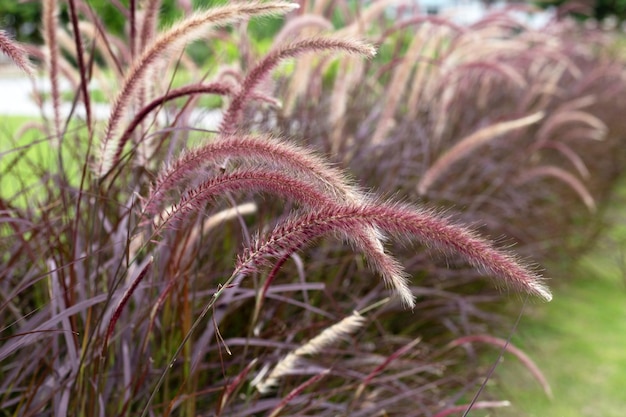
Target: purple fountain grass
149, 22
469, 144
50, 26
441, 103
187, 30
317, 345
403, 220
189, 90
258, 148
279, 183
288, 186
16, 53
257, 74
328, 189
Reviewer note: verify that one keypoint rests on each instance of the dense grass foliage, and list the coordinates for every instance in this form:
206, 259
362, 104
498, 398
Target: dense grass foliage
159, 268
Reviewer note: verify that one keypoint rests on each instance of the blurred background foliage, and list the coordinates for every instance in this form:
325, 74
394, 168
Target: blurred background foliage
21, 18
599, 9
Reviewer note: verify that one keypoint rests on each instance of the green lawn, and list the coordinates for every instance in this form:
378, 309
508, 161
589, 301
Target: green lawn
578, 340
27, 155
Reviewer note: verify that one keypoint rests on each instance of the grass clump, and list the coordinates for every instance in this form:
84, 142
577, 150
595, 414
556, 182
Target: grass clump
150, 277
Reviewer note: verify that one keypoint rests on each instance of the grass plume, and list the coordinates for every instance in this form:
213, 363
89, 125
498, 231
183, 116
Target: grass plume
50, 27
16, 53
187, 30
260, 148
402, 220
317, 345
469, 143
256, 75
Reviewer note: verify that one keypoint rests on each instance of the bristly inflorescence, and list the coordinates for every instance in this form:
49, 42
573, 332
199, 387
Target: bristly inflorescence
256, 75
404, 220
16, 53
328, 203
280, 169
251, 150
331, 335
331, 205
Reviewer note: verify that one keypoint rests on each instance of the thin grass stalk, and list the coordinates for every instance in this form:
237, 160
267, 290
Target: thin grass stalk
122, 303
91, 31
297, 391
380, 368
190, 90
236, 383
260, 298
80, 59
504, 344
215, 220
